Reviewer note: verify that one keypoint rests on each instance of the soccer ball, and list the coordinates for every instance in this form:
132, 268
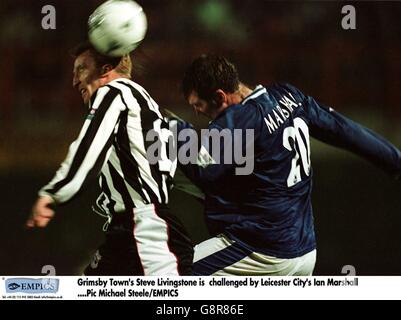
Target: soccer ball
117, 27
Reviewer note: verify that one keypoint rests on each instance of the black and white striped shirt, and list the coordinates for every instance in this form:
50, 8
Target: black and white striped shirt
112, 142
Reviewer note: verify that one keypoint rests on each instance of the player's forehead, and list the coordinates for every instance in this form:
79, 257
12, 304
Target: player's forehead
84, 60
193, 98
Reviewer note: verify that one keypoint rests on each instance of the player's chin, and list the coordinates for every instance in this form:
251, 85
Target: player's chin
86, 97
85, 100
42, 224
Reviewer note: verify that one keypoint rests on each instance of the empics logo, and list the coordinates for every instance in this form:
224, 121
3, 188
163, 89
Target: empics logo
13, 286
26, 285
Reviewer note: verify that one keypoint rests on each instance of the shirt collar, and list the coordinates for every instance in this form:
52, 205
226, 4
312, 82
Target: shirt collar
259, 90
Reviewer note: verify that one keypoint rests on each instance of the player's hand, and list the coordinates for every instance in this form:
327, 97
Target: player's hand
42, 213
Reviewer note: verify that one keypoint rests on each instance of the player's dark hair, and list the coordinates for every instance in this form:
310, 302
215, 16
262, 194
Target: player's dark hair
209, 73
122, 65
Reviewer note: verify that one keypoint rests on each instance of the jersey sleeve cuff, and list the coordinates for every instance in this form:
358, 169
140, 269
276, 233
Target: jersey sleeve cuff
42, 193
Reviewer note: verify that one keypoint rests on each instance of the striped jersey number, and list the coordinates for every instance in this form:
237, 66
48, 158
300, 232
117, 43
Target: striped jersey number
296, 139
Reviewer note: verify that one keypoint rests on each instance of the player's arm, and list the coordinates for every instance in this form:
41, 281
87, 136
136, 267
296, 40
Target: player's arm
333, 128
198, 170
210, 164
85, 157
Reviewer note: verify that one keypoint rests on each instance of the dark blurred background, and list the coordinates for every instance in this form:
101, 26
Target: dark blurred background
358, 72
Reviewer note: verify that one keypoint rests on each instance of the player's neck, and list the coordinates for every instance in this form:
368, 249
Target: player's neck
239, 95
110, 76
233, 98
243, 91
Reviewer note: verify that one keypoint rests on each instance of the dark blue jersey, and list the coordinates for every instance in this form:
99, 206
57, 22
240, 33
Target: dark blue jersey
270, 210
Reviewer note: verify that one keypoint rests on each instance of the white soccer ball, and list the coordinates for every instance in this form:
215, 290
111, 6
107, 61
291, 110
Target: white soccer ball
117, 27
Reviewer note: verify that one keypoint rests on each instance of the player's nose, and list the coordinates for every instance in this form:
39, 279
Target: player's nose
75, 81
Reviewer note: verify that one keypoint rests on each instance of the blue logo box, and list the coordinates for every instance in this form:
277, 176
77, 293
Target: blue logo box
27, 285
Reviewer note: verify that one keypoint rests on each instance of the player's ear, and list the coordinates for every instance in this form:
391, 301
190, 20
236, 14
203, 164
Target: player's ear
219, 97
106, 68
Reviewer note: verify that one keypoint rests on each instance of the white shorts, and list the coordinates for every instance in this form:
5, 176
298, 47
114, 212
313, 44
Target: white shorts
144, 241
220, 256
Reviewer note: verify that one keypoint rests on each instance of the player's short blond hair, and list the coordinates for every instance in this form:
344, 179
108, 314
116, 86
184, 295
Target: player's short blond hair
124, 67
